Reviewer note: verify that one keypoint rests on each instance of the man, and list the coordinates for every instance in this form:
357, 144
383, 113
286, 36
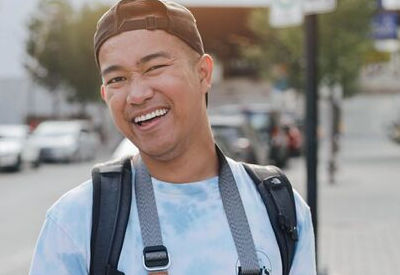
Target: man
155, 80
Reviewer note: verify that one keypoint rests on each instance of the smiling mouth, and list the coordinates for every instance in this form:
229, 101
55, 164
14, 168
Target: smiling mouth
142, 120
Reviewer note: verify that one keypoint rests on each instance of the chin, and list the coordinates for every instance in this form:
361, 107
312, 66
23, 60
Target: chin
161, 152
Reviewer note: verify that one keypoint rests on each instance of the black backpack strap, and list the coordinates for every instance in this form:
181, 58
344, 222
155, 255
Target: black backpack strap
112, 194
277, 195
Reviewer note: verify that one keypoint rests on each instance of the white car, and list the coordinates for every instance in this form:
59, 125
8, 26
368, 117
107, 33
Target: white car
13, 153
67, 141
124, 149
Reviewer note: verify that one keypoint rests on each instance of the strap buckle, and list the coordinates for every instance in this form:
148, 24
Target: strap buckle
155, 258
285, 226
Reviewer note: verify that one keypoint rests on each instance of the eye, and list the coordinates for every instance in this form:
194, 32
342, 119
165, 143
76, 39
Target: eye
153, 68
116, 80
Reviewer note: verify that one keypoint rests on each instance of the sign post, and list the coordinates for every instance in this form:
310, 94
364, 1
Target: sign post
311, 122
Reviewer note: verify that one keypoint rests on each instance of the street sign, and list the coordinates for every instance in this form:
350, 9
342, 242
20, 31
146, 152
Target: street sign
286, 13
391, 4
384, 26
319, 6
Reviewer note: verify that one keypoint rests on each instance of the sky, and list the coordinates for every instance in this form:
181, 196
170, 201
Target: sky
14, 15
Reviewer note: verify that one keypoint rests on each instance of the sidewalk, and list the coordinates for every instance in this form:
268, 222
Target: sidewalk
359, 216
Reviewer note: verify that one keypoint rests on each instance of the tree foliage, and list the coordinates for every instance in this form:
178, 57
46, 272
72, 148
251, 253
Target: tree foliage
60, 47
343, 45
46, 42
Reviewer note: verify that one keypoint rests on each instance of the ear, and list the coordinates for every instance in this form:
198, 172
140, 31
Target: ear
103, 92
206, 65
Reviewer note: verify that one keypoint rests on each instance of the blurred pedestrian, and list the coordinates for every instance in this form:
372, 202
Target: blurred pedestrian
335, 129
156, 77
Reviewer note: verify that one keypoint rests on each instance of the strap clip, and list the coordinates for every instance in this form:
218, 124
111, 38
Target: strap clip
285, 225
293, 233
155, 258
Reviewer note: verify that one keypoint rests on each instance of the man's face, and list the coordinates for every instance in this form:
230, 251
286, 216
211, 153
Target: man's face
154, 86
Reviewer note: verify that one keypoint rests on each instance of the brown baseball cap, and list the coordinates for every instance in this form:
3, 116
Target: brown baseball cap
129, 15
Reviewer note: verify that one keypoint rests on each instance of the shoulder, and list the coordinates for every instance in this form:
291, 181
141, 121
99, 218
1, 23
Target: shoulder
238, 170
72, 212
64, 240
76, 200
302, 209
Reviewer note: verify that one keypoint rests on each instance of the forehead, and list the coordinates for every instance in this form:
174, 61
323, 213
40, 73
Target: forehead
133, 45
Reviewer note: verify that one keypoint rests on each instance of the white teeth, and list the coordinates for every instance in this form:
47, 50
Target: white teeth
159, 112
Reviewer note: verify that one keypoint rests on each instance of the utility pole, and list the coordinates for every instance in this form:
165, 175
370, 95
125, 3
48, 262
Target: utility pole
311, 119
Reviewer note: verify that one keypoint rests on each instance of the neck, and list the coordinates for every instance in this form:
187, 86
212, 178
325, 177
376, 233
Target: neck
194, 164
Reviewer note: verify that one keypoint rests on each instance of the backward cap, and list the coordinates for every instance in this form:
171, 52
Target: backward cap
128, 15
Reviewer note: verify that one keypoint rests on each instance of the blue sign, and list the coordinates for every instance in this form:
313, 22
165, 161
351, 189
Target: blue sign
384, 26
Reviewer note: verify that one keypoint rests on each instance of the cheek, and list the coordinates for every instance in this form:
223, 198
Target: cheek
179, 87
116, 103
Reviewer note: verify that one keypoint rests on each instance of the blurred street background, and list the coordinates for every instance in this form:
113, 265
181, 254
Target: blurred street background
54, 128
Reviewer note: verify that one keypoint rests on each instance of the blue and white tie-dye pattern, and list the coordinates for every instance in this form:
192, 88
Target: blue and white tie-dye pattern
194, 229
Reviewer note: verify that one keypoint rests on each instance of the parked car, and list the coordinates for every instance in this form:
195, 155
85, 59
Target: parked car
13, 153
124, 149
237, 139
266, 121
65, 141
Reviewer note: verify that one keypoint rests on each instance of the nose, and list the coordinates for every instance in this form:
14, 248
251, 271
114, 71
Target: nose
139, 92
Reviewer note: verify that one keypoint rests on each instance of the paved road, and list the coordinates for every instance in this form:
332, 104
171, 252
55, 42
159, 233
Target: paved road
24, 199
359, 216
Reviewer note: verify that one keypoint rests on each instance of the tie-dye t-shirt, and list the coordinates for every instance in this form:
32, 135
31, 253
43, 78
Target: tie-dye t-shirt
194, 229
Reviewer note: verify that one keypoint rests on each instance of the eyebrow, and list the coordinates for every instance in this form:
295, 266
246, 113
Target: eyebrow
152, 56
142, 61
110, 69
